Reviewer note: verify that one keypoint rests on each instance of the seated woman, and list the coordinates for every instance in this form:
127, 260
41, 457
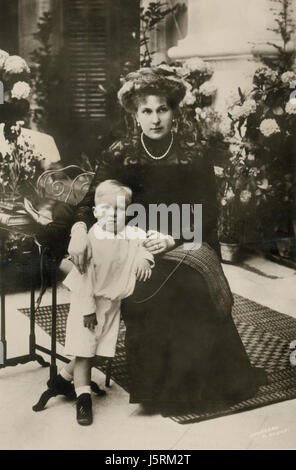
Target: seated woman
181, 343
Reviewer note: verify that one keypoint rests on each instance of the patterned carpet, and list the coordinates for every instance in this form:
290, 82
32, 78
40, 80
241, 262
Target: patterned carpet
265, 333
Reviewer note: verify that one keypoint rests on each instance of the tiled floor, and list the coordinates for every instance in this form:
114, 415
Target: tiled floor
119, 425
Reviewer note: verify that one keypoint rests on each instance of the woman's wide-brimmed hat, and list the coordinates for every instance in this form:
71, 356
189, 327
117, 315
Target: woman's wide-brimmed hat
159, 80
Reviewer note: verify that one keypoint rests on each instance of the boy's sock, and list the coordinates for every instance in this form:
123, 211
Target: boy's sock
66, 375
84, 389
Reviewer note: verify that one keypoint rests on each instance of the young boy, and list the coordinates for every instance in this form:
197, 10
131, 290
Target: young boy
118, 260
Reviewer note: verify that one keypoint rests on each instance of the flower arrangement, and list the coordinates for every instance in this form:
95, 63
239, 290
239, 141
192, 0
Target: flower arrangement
200, 122
19, 163
14, 74
261, 129
243, 194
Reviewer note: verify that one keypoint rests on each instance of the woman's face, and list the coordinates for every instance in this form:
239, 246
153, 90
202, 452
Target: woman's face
155, 116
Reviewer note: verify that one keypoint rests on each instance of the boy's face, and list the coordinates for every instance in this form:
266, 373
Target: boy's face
110, 211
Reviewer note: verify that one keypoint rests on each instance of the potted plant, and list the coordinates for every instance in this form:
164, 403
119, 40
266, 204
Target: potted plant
229, 215
263, 121
243, 194
19, 163
19, 166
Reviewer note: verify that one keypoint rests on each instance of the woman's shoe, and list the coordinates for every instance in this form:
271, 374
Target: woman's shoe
84, 409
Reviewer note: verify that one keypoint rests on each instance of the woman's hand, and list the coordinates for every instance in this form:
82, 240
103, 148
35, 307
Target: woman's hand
158, 243
79, 249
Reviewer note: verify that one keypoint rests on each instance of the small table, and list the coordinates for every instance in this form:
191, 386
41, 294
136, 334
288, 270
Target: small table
28, 232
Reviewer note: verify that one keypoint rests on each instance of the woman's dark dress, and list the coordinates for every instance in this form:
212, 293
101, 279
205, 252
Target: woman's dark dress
178, 350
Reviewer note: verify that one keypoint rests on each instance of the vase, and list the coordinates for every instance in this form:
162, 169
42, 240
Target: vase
230, 252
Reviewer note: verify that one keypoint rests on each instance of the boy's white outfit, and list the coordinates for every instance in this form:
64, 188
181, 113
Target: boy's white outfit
110, 277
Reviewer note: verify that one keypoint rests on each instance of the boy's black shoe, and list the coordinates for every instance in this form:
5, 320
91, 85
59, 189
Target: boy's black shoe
84, 409
61, 386
97, 390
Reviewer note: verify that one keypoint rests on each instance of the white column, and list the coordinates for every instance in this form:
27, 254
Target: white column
229, 33
218, 28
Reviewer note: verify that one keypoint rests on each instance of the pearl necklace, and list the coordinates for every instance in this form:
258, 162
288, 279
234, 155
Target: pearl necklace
153, 156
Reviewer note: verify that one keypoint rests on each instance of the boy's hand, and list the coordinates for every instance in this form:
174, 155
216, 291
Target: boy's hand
90, 321
143, 270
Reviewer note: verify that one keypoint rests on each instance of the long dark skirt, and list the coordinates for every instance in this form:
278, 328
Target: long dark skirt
178, 351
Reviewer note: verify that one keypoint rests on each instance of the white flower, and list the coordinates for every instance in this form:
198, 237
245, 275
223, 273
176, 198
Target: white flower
237, 112
166, 67
269, 127
290, 108
251, 157
197, 65
288, 77
249, 107
223, 202
128, 86
267, 73
189, 97
20, 90
234, 148
3, 57
229, 196
198, 113
264, 184
225, 127
15, 64
208, 89
245, 196
254, 172
218, 171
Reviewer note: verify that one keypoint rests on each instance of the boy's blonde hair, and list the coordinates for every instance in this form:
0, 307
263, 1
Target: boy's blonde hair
113, 187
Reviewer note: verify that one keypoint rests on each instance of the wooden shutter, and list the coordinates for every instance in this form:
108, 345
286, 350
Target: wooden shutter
86, 39
100, 35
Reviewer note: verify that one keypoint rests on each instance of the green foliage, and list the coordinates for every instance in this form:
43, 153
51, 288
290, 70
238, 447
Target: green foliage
262, 139
285, 28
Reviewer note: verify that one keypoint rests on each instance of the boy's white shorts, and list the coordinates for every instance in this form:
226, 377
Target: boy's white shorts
81, 341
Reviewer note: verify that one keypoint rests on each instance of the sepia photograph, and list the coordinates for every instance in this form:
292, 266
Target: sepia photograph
147, 227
